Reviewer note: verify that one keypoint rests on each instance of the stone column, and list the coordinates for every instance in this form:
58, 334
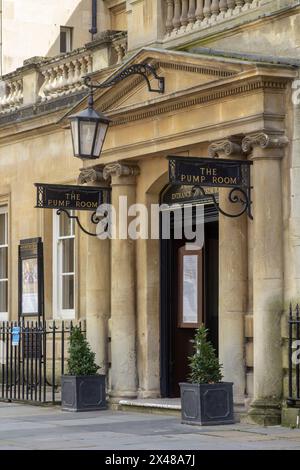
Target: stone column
267, 152
232, 280
97, 280
123, 295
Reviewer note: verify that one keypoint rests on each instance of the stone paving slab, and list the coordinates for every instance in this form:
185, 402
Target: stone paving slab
31, 427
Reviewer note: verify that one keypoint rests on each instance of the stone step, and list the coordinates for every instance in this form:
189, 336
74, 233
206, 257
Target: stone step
169, 406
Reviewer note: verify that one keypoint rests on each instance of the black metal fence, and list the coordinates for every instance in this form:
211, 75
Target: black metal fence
294, 357
32, 360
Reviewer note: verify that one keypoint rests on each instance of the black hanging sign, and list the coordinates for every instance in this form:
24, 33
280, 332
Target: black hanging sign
209, 172
56, 196
198, 173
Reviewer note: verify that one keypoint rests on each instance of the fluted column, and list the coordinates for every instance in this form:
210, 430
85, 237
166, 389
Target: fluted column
97, 280
267, 152
123, 295
233, 275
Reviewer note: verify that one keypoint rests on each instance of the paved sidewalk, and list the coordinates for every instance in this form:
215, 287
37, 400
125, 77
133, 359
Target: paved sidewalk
31, 427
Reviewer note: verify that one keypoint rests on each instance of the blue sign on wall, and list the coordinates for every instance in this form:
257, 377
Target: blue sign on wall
15, 336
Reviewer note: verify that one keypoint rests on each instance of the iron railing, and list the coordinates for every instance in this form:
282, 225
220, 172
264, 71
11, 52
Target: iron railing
294, 357
32, 359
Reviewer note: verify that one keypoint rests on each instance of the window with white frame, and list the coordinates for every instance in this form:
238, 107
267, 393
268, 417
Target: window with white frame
3, 263
65, 39
63, 266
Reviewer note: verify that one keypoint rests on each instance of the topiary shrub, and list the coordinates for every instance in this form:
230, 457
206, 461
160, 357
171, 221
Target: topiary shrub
81, 359
204, 364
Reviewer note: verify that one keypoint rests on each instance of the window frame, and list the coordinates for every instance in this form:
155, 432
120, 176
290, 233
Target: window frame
4, 210
69, 39
58, 311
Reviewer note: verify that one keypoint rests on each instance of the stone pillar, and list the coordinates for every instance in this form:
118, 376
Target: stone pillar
267, 152
233, 276
97, 280
123, 295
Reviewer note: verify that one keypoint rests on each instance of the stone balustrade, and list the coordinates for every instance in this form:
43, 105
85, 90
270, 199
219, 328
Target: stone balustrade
12, 97
187, 15
43, 79
63, 77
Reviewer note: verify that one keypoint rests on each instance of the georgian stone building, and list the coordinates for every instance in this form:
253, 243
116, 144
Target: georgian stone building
231, 71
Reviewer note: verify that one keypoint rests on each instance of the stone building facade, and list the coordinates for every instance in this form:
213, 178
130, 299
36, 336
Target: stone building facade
231, 71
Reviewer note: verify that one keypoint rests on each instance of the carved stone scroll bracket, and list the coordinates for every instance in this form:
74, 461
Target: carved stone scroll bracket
90, 175
264, 141
226, 147
120, 169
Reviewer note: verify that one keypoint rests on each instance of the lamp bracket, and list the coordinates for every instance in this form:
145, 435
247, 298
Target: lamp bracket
143, 70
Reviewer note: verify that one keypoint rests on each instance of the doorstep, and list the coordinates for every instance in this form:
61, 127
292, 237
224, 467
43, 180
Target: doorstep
169, 406
166, 406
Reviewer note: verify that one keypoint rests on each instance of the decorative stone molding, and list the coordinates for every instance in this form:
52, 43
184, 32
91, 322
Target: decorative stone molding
227, 146
120, 169
180, 103
264, 141
90, 175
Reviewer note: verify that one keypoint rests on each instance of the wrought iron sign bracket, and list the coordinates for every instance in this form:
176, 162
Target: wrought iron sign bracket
244, 198
207, 172
143, 70
66, 198
94, 219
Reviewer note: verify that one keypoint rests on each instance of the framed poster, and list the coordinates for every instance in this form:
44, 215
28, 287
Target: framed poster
31, 278
190, 288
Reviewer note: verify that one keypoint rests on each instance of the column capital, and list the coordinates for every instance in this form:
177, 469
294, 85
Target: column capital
120, 169
227, 147
92, 175
263, 140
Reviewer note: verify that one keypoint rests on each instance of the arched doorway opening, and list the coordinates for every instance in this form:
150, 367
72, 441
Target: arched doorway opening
188, 289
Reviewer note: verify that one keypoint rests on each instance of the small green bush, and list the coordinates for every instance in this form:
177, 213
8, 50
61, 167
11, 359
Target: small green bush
81, 359
204, 364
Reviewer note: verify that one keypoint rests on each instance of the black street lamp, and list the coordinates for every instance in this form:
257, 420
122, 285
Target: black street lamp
89, 128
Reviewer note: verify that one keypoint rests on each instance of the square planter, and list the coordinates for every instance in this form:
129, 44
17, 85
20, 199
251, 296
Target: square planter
207, 404
83, 393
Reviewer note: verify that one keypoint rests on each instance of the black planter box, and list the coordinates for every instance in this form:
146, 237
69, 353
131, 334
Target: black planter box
207, 404
83, 393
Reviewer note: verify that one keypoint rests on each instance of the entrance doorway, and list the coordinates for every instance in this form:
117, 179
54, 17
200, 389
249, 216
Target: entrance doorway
181, 299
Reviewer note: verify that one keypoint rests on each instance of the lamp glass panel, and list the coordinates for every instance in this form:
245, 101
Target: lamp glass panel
101, 132
87, 134
74, 130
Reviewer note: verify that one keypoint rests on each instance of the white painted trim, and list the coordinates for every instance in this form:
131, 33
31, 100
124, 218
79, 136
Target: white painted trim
58, 312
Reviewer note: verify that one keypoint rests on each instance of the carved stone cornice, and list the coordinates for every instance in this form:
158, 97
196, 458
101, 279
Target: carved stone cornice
90, 175
227, 147
264, 141
120, 169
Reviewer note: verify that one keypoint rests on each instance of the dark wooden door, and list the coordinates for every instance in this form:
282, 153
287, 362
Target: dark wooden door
176, 337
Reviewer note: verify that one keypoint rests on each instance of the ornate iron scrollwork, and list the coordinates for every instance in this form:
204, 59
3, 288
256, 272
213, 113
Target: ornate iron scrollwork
95, 219
244, 199
135, 69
